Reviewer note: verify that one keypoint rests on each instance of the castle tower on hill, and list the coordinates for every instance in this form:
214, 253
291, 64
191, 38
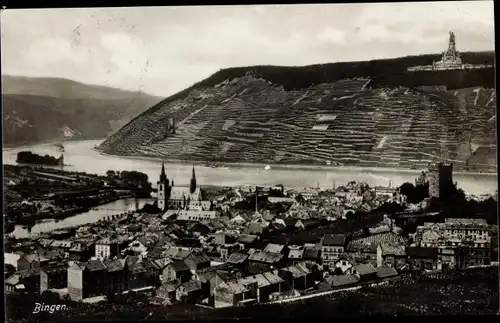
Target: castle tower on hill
439, 176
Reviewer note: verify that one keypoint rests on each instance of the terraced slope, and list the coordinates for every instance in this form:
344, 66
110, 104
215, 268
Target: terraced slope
339, 123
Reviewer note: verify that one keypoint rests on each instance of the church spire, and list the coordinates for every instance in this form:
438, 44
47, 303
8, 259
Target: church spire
163, 175
192, 187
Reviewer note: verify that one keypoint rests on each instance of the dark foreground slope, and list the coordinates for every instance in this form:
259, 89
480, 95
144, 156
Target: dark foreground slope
474, 291
37, 109
364, 114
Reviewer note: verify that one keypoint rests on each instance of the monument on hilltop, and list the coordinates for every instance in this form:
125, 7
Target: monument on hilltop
451, 57
450, 60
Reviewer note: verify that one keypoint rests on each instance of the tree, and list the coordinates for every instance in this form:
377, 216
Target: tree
407, 189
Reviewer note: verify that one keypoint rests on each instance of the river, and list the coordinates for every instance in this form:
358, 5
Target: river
80, 156
94, 215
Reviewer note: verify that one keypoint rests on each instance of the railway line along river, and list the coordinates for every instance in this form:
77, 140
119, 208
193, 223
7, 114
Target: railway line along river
81, 156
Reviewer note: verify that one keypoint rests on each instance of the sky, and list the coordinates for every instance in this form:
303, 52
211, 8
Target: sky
162, 50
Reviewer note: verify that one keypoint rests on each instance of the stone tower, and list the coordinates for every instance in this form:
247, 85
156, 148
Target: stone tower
440, 179
163, 189
192, 186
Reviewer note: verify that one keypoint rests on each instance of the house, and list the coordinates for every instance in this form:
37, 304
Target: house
168, 290
137, 274
237, 259
296, 253
81, 250
45, 243
181, 254
196, 215
199, 229
63, 245
273, 199
267, 283
197, 260
365, 272
176, 270
228, 249
275, 248
312, 253
297, 276
362, 251
345, 264
247, 240
88, 279
189, 292
137, 248
421, 258
27, 281
154, 268
114, 274
391, 255
107, 248
333, 245
211, 277
31, 262
387, 274
448, 258
260, 261
231, 293
257, 227
342, 281
54, 277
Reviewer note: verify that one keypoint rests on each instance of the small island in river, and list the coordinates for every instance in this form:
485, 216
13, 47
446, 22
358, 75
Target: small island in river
27, 157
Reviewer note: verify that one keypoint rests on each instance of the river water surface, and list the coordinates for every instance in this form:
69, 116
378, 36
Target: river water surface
80, 156
92, 216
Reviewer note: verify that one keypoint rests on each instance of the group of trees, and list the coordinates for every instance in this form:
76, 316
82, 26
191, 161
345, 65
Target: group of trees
414, 194
31, 158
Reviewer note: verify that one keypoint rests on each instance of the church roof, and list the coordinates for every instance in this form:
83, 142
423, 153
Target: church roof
183, 192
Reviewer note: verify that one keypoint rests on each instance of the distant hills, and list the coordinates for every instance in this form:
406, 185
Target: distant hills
372, 113
40, 109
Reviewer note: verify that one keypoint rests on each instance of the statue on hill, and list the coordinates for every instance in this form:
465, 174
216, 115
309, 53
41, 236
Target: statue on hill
451, 57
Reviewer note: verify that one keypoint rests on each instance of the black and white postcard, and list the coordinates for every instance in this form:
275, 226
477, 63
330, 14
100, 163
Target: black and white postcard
249, 161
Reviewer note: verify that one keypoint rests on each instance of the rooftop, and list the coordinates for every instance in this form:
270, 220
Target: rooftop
191, 286
385, 272
365, 269
266, 257
179, 266
393, 249
237, 258
273, 247
342, 280
334, 240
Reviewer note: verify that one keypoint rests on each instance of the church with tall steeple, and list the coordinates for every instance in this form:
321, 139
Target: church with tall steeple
180, 197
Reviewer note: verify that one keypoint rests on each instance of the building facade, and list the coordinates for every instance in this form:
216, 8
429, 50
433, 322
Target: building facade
333, 245
460, 242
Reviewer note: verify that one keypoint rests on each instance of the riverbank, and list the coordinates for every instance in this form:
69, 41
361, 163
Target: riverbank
28, 144
290, 166
31, 220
